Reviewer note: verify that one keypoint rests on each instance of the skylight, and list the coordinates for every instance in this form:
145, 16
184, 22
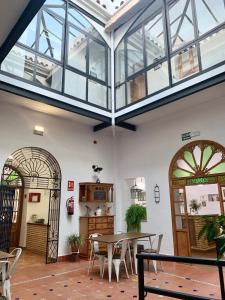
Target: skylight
111, 6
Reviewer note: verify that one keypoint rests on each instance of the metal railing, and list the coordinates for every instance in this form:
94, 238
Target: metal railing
144, 289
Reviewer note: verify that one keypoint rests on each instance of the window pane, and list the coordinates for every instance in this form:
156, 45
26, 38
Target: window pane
57, 6
181, 222
77, 19
136, 88
120, 63
75, 85
109, 98
209, 14
120, 96
185, 64
213, 49
19, 62
77, 49
158, 78
154, 37
49, 74
51, 31
28, 38
181, 23
135, 52
97, 57
97, 93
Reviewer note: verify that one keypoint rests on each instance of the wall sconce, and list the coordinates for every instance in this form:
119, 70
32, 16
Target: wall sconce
156, 194
38, 130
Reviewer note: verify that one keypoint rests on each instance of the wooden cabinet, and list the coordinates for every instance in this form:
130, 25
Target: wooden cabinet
37, 238
89, 225
95, 192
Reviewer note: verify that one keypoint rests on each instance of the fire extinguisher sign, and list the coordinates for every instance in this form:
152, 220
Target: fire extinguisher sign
70, 186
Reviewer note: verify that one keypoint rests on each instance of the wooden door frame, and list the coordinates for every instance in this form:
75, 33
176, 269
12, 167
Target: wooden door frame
218, 178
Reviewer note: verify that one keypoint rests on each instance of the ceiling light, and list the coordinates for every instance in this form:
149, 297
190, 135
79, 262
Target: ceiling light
38, 130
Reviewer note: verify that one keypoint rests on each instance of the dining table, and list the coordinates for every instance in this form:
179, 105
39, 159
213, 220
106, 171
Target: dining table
111, 239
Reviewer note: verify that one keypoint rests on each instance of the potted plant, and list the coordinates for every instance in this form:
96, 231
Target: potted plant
134, 215
214, 230
195, 206
75, 241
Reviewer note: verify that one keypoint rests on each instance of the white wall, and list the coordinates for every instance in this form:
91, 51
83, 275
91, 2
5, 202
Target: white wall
149, 151
69, 142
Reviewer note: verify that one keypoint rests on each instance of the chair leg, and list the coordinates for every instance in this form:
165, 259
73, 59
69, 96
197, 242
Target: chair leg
103, 268
116, 263
154, 262
125, 265
90, 262
6, 289
130, 259
101, 262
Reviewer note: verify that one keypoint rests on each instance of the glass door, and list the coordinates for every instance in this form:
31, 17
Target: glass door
180, 219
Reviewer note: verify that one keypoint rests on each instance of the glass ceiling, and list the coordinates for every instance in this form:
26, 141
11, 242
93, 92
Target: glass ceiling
111, 6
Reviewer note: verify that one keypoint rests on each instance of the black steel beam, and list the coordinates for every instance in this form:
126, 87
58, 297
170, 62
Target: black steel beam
50, 101
127, 126
24, 20
173, 97
101, 126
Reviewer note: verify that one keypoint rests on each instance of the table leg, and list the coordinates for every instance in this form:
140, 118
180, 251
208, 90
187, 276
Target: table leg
109, 247
135, 253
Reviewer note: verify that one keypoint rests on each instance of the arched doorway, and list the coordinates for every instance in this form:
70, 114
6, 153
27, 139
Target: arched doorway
34, 172
197, 187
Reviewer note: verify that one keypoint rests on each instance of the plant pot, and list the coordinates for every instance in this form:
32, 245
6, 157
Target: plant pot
75, 249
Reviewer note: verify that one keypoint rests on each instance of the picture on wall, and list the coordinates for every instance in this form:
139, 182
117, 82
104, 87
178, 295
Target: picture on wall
34, 197
213, 197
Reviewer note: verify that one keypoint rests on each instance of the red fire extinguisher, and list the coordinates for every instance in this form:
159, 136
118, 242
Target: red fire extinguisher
70, 206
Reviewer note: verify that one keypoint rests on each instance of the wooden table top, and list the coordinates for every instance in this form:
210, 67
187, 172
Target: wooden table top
114, 238
5, 255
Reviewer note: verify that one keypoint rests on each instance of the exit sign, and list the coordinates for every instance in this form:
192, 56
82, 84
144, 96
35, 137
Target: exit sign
189, 135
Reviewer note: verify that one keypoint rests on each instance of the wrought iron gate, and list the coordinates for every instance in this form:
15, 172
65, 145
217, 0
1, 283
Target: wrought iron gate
7, 195
40, 170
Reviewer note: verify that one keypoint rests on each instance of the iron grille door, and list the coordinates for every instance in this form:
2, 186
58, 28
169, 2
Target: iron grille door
7, 196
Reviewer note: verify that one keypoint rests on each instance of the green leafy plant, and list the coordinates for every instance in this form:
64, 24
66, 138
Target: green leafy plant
214, 230
75, 241
134, 215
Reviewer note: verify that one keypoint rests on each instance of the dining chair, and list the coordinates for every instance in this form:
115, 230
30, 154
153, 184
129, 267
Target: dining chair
118, 258
9, 268
158, 241
96, 253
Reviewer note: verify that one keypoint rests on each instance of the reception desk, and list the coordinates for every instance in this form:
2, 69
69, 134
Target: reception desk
37, 238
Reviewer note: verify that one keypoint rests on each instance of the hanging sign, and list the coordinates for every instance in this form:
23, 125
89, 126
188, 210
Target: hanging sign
70, 186
189, 135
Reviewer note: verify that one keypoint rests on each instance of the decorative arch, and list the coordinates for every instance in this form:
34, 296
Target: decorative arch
36, 168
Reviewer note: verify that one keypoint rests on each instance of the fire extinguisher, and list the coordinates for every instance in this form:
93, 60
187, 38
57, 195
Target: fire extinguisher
70, 206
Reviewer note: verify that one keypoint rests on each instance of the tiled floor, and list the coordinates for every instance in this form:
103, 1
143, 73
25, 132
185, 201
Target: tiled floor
69, 281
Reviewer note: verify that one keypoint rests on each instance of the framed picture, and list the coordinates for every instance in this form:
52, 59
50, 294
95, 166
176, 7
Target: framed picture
213, 197
34, 197
204, 203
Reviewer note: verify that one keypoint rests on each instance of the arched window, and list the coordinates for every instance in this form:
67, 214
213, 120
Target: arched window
61, 50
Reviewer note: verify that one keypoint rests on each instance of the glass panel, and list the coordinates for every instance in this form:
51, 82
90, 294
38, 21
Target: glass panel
28, 38
51, 32
120, 96
109, 98
136, 88
97, 93
56, 6
197, 152
179, 208
180, 173
154, 39
181, 23
218, 169
135, 57
77, 49
75, 85
49, 74
178, 195
206, 155
97, 57
209, 14
189, 158
217, 157
120, 63
181, 222
19, 62
213, 49
109, 66
183, 165
77, 19
158, 78
185, 64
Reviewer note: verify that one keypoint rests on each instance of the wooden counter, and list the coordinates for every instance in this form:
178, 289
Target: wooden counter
37, 238
95, 224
